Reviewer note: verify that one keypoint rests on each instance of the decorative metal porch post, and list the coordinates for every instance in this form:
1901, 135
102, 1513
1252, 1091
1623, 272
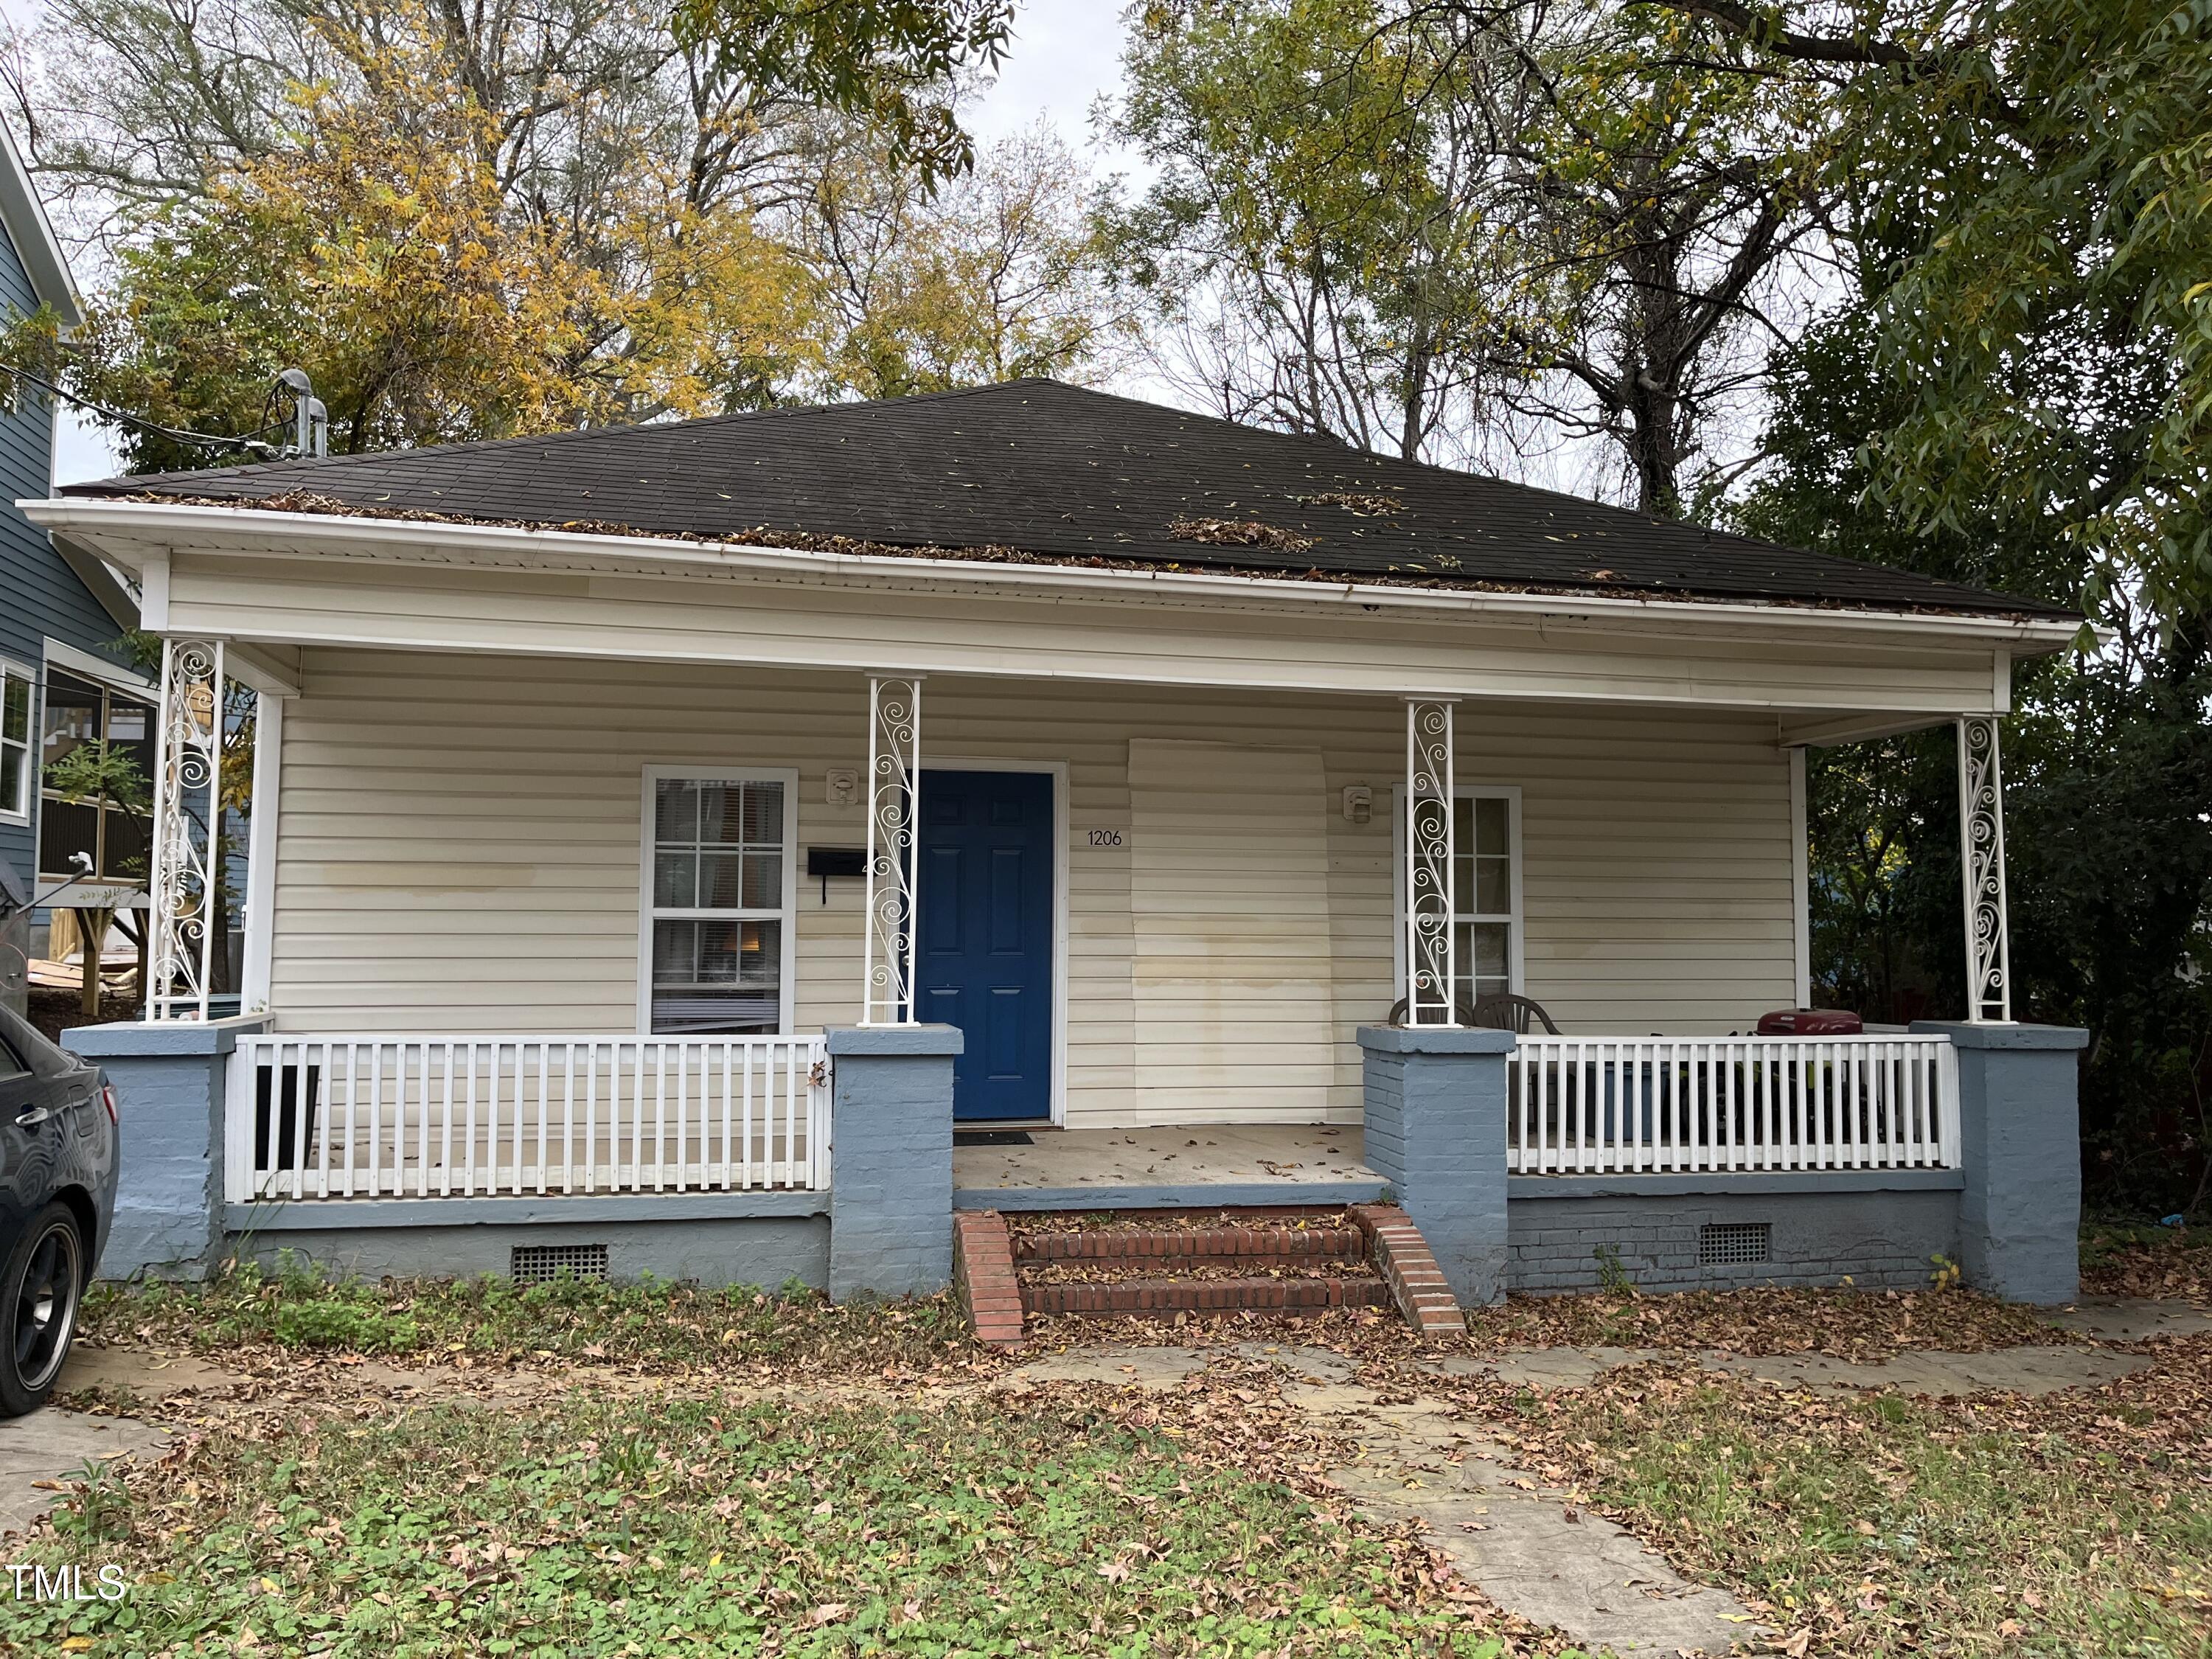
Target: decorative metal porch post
1431, 941
186, 842
894, 803
1982, 862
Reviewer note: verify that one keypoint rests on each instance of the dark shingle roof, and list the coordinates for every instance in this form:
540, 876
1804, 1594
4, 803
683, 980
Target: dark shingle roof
1059, 471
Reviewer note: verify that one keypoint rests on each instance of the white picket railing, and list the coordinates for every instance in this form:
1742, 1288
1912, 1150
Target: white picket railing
1669, 1105
339, 1117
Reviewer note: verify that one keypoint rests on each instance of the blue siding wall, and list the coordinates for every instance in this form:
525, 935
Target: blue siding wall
40, 595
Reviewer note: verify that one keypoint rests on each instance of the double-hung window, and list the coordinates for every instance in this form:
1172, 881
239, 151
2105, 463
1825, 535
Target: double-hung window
15, 764
720, 892
1486, 891
1485, 888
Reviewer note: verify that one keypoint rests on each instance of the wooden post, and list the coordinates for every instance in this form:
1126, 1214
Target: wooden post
92, 926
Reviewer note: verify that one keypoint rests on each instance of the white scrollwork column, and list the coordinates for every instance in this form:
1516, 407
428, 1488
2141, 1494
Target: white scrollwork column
187, 828
1982, 858
1431, 941
894, 802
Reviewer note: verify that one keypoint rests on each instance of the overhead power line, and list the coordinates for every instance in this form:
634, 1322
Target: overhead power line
310, 419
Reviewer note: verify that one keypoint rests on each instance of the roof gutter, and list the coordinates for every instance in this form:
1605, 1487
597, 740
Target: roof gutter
94, 516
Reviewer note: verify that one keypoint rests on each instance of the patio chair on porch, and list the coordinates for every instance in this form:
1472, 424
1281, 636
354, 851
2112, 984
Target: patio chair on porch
1500, 1010
1507, 1010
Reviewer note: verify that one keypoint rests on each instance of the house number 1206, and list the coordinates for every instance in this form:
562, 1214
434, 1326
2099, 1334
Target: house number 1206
1105, 837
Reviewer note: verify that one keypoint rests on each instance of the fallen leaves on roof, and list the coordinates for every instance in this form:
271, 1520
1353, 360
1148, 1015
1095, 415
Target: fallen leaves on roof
1366, 504
1238, 533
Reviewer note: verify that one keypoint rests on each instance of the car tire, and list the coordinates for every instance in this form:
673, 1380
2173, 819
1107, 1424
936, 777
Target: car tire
42, 1291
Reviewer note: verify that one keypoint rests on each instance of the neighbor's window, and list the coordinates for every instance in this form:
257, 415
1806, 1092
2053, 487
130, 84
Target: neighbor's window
15, 741
1484, 892
719, 912
79, 712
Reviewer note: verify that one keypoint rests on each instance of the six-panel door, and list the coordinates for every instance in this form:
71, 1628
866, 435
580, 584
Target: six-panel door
984, 961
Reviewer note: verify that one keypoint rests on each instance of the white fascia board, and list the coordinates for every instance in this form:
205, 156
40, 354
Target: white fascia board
236, 530
24, 216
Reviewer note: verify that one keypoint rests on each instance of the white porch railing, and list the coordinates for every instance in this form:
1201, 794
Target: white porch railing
338, 1117
1678, 1105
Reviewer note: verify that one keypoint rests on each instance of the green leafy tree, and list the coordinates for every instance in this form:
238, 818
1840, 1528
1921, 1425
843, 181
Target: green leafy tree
2108, 770
992, 276
889, 62
465, 222
2027, 187
1325, 244
1451, 232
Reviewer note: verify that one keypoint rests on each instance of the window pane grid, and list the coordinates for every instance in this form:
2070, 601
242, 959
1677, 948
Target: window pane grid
15, 743
1483, 916
717, 936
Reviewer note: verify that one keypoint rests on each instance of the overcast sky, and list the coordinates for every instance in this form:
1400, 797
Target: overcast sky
1066, 53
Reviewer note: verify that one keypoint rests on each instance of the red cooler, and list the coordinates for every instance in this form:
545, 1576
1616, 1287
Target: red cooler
1811, 1022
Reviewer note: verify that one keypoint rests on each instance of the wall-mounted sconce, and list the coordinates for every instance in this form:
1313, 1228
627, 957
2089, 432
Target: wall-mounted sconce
1359, 803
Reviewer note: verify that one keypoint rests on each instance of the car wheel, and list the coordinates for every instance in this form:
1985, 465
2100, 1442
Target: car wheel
39, 1290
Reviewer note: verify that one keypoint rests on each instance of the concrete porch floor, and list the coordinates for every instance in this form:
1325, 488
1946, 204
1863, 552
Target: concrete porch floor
1193, 1166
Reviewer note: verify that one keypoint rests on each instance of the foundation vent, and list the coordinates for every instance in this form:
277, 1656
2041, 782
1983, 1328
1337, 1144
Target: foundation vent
1733, 1243
541, 1264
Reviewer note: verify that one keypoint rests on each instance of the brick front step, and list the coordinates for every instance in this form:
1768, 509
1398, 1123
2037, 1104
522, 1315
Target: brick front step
983, 1271
1144, 1297
1416, 1283
1258, 1248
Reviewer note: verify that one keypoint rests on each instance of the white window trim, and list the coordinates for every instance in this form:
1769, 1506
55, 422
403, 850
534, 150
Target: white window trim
9, 813
1516, 924
788, 914
86, 666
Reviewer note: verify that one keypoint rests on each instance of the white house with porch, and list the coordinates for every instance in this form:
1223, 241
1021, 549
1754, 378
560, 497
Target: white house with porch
629, 804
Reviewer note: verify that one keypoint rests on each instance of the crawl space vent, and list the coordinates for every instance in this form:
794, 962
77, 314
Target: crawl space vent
1730, 1243
540, 1264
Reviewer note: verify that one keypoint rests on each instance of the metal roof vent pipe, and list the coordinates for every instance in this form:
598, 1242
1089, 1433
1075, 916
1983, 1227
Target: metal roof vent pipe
311, 416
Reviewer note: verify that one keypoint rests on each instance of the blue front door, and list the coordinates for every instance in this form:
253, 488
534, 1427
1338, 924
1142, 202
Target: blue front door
983, 938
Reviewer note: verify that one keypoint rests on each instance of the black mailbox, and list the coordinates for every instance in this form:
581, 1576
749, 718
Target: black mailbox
823, 862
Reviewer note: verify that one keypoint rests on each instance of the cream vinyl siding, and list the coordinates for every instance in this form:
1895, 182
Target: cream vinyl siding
1231, 985
458, 851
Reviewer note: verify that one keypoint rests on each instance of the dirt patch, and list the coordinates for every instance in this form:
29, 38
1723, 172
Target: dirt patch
2169, 1263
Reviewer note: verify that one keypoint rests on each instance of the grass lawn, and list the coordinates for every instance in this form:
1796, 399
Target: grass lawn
637, 1493
659, 1524
2076, 1525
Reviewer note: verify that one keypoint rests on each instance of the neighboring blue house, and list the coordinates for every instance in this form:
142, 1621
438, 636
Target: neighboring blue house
62, 682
